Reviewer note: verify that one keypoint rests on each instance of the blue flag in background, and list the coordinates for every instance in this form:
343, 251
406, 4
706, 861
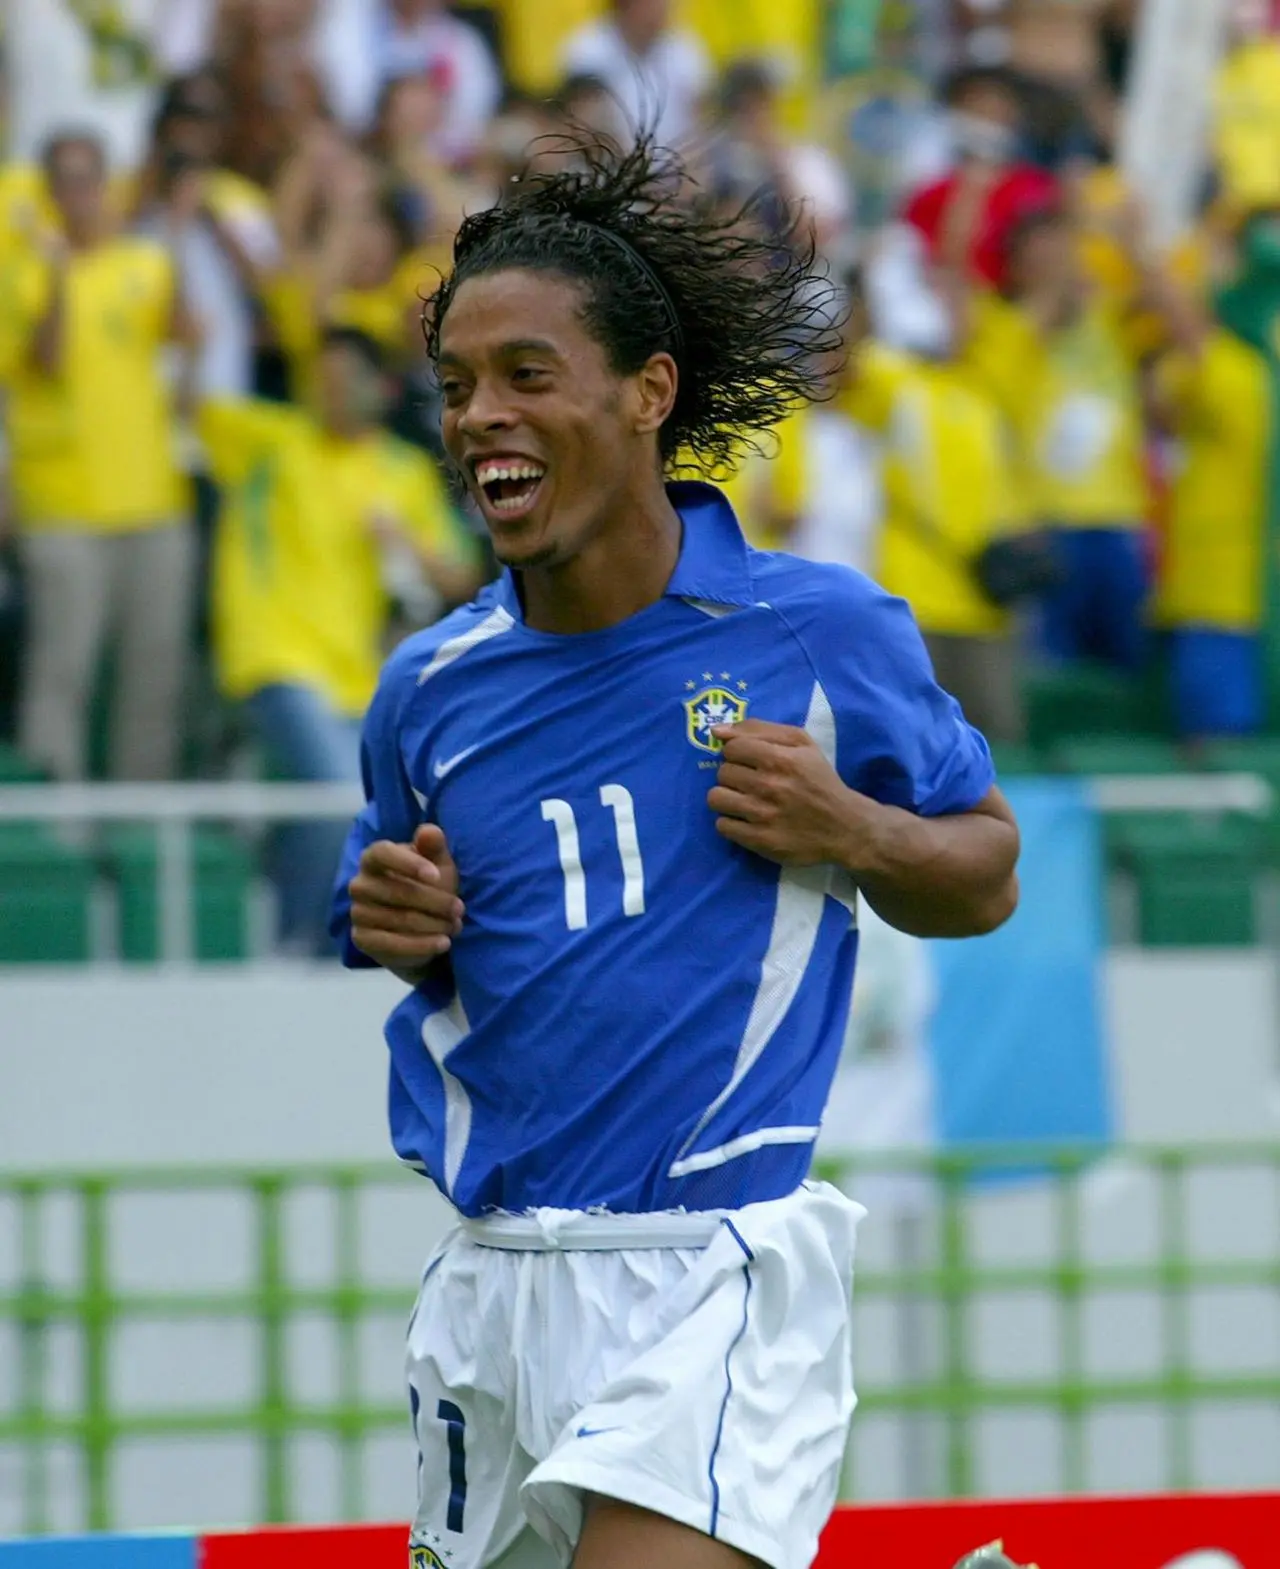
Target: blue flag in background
1017, 1039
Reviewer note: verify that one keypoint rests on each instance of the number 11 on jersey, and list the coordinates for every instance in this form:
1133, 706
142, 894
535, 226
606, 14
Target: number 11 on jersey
561, 815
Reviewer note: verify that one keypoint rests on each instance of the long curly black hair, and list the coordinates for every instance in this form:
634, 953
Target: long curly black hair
747, 316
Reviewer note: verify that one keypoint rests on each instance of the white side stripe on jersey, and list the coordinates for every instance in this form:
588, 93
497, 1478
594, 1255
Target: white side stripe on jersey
801, 899
711, 608
498, 621
441, 1032
704, 1160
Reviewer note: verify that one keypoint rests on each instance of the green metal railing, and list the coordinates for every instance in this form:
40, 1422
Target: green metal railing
947, 1275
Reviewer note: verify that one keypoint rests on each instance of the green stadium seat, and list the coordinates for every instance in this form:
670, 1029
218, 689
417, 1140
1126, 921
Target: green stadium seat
17, 769
1105, 755
223, 874
1089, 700
1014, 760
1195, 875
1254, 755
46, 891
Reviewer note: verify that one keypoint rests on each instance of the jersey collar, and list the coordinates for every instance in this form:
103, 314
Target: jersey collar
713, 567
713, 564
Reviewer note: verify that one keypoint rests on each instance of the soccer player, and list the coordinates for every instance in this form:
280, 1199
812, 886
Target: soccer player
620, 812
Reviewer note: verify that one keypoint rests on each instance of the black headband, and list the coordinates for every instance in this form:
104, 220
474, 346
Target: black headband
624, 246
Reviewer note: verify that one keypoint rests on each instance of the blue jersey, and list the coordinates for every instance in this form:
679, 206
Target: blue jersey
639, 1015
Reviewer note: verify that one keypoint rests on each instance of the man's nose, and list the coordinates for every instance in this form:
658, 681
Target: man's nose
486, 410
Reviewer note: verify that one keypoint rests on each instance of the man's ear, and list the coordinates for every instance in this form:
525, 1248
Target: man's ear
656, 384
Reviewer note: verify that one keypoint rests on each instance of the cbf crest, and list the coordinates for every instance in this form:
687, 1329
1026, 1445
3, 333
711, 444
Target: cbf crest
721, 701
423, 1557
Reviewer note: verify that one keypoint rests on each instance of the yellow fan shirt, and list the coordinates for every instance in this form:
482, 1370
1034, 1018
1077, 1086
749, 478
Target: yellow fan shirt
768, 487
382, 313
1072, 405
298, 593
535, 33
1246, 138
1212, 574
945, 481
94, 445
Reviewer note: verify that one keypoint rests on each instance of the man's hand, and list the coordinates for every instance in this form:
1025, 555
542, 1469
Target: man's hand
777, 794
947, 876
405, 910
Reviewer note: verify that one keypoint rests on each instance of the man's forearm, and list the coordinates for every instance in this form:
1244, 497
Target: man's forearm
936, 876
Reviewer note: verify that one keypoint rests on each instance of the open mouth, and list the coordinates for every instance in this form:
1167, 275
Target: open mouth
510, 486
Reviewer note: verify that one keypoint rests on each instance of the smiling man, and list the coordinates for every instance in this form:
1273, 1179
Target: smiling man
620, 811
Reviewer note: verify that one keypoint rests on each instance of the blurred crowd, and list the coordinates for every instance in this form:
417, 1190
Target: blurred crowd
223, 497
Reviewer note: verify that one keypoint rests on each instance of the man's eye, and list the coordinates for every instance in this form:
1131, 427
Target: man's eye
526, 374
451, 389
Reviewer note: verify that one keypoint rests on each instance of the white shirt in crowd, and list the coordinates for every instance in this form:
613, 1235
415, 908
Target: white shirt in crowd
52, 77
840, 520
217, 297
358, 45
659, 89
459, 63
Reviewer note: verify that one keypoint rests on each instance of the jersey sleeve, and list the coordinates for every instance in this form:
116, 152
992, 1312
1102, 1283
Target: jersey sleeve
900, 739
390, 811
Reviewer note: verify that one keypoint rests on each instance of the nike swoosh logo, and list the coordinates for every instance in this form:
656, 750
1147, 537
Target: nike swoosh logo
446, 766
594, 1432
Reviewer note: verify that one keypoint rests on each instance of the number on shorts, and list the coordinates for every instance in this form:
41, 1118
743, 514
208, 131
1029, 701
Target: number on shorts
456, 1428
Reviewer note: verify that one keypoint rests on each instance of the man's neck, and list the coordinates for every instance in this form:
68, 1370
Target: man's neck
622, 571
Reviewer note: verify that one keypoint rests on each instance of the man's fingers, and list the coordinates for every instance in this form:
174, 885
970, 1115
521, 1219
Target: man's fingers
749, 835
764, 730
737, 776
751, 751
400, 860
430, 843
409, 923
732, 803
399, 893
391, 947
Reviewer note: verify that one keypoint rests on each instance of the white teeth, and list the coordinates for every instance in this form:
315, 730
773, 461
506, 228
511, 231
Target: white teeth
488, 473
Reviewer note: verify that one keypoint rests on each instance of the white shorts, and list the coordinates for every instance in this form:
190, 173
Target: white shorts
698, 1365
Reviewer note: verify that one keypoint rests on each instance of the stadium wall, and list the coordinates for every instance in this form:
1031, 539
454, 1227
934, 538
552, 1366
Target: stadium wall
285, 1061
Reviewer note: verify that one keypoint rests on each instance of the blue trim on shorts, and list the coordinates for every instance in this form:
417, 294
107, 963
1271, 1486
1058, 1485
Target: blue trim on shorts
728, 1374
737, 1237
426, 1276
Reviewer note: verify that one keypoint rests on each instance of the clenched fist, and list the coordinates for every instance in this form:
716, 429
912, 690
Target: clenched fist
405, 910
778, 795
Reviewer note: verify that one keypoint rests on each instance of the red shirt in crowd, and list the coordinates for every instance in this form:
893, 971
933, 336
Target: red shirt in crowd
1024, 189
